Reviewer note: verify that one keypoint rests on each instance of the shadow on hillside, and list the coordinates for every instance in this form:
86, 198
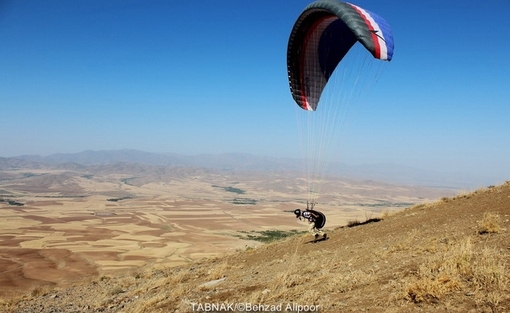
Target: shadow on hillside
358, 223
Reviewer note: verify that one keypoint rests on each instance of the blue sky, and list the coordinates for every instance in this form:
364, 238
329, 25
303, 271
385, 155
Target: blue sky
203, 76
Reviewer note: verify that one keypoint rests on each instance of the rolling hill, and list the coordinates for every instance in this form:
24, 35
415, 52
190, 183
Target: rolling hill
392, 173
452, 255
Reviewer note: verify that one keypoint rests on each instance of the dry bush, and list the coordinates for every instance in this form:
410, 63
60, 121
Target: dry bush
219, 271
41, 290
445, 199
427, 289
490, 224
441, 273
458, 266
352, 223
491, 274
385, 214
489, 270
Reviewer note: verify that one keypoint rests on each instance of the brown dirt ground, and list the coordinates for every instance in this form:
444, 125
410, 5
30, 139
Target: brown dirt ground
374, 267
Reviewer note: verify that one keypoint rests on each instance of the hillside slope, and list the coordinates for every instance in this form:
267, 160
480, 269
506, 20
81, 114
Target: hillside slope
448, 256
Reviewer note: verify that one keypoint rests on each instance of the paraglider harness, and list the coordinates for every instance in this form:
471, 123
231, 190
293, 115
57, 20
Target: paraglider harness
316, 217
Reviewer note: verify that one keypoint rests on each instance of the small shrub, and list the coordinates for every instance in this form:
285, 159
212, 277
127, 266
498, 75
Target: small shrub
219, 271
385, 214
358, 223
489, 224
353, 223
442, 273
37, 291
426, 289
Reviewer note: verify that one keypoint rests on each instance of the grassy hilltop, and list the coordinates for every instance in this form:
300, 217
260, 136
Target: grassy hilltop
449, 256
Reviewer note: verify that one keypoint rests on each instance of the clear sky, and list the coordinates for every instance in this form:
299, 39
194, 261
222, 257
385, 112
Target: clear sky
210, 76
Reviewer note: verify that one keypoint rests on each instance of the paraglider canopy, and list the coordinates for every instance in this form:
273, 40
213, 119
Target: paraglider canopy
321, 37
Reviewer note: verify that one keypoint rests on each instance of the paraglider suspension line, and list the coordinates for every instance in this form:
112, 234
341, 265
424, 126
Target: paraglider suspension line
310, 205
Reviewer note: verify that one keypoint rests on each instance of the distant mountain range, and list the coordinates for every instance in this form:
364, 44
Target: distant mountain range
243, 162
226, 161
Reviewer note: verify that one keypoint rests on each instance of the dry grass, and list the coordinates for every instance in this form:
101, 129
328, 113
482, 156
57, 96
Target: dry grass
41, 290
385, 214
490, 274
427, 258
490, 224
83, 224
459, 266
441, 273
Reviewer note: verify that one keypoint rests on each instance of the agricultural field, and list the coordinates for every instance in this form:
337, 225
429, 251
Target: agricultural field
59, 226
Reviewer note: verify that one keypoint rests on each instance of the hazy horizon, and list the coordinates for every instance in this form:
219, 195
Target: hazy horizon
383, 172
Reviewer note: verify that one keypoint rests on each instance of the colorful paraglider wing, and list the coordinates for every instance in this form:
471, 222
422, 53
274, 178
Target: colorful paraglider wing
322, 36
